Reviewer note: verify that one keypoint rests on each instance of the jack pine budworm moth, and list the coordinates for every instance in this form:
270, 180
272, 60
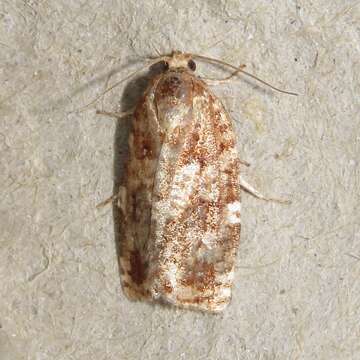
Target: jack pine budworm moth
180, 200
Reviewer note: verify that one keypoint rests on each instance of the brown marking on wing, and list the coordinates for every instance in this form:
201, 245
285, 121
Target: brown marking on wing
202, 277
137, 268
176, 136
144, 144
232, 189
167, 287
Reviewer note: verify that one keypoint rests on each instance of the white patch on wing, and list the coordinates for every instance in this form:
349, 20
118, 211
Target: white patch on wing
225, 292
209, 239
209, 188
172, 274
183, 185
233, 212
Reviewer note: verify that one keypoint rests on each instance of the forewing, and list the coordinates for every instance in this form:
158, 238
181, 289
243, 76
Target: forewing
195, 219
136, 199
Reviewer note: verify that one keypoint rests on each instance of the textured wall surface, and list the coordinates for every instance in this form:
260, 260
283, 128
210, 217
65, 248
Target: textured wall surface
297, 285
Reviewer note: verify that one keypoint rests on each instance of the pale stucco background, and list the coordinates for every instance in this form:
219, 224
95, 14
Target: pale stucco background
297, 285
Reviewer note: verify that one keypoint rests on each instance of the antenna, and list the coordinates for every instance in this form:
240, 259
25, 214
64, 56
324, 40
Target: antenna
120, 82
240, 70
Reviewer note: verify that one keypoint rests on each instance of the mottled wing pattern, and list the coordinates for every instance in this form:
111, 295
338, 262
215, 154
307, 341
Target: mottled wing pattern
196, 198
136, 196
181, 199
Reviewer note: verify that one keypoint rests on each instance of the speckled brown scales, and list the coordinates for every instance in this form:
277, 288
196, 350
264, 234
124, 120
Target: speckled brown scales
181, 197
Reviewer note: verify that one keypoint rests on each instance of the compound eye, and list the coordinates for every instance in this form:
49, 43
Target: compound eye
164, 65
192, 65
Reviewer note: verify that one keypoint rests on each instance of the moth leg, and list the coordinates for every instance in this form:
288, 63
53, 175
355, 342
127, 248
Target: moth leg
243, 162
120, 197
107, 201
251, 190
115, 114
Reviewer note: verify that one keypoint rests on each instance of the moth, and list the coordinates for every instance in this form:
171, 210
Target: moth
181, 197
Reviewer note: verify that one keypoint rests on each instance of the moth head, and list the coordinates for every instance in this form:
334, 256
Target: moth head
178, 60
